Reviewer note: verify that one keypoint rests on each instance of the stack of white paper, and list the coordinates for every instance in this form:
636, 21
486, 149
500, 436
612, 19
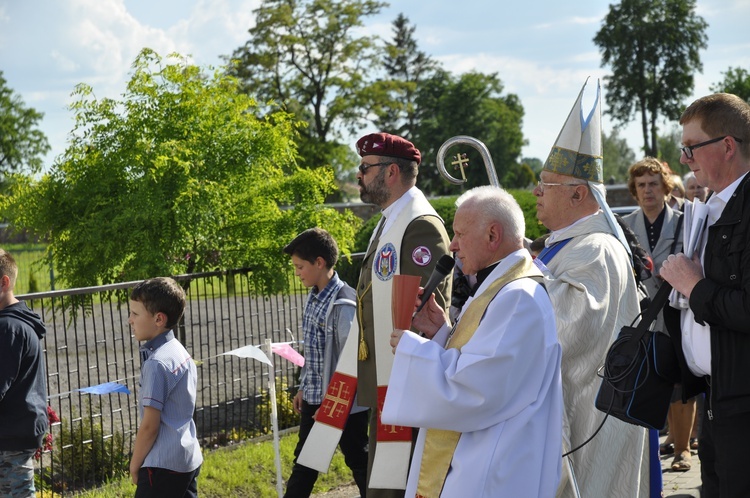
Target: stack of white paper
693, 226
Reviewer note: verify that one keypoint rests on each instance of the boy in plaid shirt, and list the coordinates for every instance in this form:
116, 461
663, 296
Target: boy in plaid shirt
329, 311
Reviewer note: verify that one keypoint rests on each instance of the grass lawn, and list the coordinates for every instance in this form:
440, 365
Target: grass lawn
33, 269
245, 470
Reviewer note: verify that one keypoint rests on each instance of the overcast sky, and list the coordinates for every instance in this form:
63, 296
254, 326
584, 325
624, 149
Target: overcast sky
542, 51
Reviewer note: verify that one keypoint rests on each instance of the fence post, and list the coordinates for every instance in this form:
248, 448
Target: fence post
274, 419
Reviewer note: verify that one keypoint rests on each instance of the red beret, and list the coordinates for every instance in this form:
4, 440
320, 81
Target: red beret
385, 144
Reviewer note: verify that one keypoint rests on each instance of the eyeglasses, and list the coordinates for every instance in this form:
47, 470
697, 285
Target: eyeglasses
542, 185
363, 167
688, 149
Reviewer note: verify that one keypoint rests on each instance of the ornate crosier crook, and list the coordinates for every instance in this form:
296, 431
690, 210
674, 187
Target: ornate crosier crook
461, 162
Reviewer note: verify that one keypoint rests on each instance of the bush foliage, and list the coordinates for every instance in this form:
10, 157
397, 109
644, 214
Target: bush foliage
84, 456
183, 174
446, 208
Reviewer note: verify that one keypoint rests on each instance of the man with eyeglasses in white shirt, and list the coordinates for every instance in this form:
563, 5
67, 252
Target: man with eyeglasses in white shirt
715, 339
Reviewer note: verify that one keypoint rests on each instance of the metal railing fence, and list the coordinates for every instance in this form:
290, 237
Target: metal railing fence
89, 343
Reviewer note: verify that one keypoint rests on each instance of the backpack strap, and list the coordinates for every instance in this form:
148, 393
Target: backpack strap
341, 299
676, 234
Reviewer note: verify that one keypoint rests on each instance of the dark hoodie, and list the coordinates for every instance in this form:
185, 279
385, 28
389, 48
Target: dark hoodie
23, 383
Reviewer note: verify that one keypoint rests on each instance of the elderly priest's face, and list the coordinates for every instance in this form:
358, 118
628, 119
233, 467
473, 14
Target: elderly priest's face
471, 239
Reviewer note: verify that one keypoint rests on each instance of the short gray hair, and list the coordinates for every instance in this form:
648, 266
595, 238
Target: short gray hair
495, 204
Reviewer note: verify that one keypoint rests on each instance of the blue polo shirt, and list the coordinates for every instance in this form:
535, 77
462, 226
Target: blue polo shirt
168, 383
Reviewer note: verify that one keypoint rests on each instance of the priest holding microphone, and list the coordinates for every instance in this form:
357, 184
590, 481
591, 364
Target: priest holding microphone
486, 392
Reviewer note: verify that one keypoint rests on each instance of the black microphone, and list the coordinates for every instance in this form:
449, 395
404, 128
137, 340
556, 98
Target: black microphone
442, 269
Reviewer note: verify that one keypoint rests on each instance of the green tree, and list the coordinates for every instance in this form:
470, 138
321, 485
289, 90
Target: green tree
307, 56
669, 150
393, 99
471, 104
520, 176
534, 163
653, 49
736, 81
22, 144
618, 157
178, 176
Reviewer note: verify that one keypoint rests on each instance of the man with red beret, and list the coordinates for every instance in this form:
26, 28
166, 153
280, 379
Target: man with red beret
410, 238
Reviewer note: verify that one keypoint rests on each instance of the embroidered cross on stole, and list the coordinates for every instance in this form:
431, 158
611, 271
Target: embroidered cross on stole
440, 444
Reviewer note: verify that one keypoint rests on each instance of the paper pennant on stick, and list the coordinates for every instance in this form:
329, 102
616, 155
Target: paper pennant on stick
251, 352
106, 388
285, 350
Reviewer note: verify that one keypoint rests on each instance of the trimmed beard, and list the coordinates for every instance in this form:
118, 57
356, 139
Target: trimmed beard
375, 193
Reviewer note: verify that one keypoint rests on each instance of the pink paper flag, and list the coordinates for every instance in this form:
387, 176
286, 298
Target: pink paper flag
285, 350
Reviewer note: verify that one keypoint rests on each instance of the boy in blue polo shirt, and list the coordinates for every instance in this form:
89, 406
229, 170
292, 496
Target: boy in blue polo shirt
167, 457
328, 315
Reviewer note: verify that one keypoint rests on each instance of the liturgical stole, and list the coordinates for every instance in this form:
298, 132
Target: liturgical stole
391, 459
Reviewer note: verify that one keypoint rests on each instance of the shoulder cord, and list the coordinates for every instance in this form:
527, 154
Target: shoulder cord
363, 352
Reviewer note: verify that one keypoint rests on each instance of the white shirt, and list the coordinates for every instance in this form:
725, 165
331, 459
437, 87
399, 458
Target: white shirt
389, 212
696, 338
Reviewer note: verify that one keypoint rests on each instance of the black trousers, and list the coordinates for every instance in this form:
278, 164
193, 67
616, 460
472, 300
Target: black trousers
154, 482
353, 444
722, 448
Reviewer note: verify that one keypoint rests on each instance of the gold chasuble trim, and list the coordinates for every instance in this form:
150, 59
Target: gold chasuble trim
439, 444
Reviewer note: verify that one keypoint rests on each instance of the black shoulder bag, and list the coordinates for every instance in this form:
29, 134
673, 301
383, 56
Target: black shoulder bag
640, 371
641, 368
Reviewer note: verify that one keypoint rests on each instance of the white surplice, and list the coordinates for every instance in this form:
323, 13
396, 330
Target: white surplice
594, 294
501, 391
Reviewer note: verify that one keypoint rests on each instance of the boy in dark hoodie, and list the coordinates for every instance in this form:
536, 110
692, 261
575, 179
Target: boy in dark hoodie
23, 386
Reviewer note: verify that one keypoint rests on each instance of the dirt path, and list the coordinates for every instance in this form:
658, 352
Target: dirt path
349, 491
